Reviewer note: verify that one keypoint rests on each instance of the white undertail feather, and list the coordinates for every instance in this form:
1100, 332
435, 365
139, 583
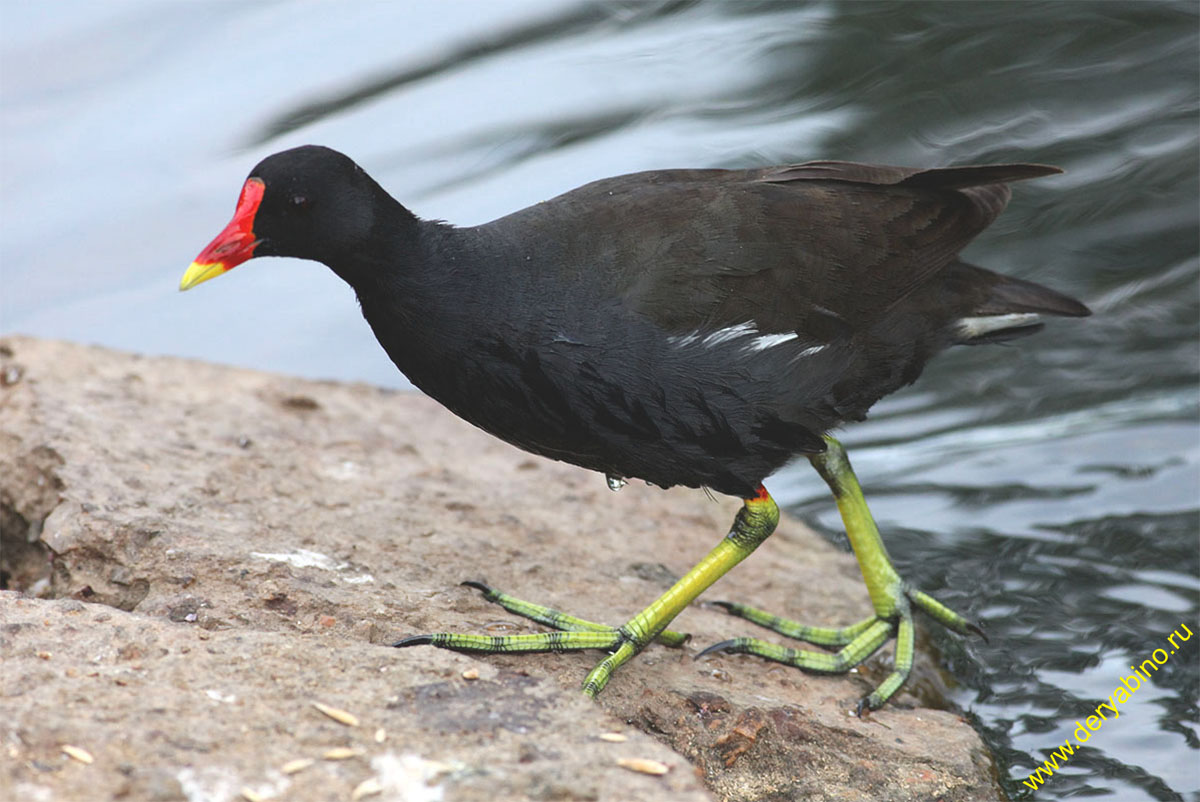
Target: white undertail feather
971, 327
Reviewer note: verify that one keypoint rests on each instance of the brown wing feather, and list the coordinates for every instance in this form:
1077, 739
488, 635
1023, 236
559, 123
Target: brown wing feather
817, 248
926, 177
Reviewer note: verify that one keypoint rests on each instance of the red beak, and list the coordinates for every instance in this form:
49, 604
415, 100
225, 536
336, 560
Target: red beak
232, 246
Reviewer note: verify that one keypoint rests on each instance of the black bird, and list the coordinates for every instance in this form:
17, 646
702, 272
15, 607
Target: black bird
684, 327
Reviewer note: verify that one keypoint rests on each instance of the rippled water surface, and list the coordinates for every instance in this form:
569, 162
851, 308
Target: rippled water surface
1048, 488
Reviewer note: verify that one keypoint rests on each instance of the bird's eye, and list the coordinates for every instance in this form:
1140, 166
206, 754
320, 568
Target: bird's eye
299, 202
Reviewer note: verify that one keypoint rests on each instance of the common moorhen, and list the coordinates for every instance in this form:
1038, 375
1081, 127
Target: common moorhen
683, 327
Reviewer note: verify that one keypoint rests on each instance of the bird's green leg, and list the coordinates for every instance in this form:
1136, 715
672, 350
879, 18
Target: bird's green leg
892, 598
755, 521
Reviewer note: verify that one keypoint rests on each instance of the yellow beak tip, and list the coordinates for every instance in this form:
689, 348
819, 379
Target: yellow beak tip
200, 272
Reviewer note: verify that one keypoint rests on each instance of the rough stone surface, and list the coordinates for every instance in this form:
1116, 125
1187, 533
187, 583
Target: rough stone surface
198, 553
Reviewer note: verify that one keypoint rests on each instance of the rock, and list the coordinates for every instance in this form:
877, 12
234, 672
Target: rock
216, 549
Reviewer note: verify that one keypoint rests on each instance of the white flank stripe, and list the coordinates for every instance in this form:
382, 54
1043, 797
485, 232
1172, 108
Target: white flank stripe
685, 340
713, 338
766, 341
723, 335
756, 342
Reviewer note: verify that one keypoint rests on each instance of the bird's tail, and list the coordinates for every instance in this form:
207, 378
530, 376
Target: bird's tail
1004, 307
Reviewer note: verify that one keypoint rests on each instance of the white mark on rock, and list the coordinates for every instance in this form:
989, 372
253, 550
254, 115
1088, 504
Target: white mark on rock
302, 558
207, 785
410, 777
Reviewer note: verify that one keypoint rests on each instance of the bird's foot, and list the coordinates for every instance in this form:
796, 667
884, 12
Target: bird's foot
753, 524
854, 643
572, 634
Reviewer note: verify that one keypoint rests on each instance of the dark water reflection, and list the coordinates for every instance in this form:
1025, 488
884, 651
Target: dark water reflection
1048, 489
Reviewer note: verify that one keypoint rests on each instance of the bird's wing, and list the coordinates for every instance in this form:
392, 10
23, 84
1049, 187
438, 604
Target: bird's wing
816, 248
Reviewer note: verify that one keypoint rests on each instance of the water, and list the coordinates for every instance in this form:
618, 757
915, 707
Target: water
1048, 488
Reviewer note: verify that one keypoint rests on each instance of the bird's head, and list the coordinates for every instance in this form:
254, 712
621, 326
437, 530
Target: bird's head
310, 202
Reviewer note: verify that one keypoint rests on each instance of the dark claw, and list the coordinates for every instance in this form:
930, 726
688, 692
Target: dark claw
471, 583
415, 640
863, 708
976, 629
724, 605
723, 646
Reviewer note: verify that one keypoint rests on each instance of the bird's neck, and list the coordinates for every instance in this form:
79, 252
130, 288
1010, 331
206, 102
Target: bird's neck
417, 291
